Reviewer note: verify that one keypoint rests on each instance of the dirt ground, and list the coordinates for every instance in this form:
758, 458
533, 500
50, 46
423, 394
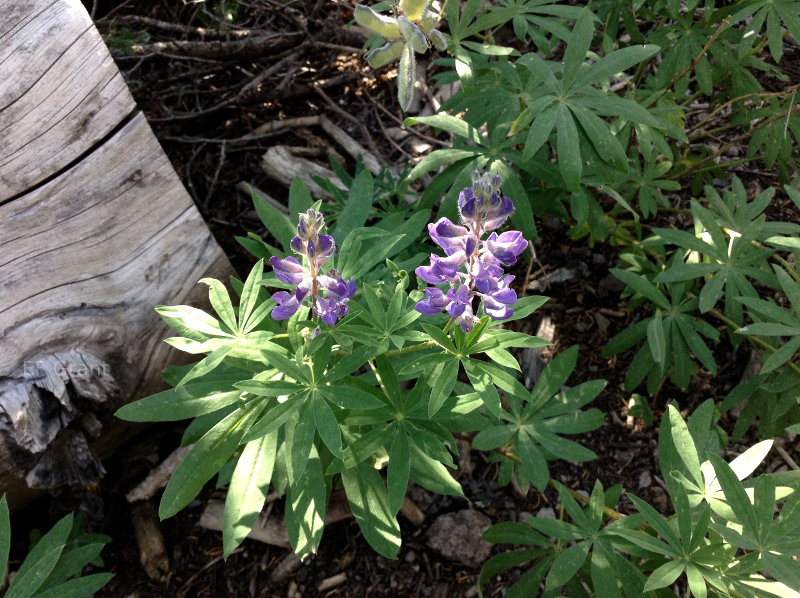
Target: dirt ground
202, 94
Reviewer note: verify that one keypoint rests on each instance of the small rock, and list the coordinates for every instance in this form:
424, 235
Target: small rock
546, 513
457, 536
645, 481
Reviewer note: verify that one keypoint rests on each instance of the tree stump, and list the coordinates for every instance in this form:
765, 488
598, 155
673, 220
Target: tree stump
95, 230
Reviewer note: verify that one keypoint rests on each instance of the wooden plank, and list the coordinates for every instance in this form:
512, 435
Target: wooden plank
95, 230
86, 257
83, 261
60, 91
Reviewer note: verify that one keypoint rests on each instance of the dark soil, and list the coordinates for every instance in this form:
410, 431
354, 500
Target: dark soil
194, 111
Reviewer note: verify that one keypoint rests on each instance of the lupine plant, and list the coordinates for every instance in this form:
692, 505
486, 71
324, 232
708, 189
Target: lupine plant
620, 118
53, 566
371, 379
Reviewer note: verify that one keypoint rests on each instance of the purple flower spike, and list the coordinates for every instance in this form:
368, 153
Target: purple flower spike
317, 248
473, 266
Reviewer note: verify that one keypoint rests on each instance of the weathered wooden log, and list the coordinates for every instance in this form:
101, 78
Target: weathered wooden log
95, 230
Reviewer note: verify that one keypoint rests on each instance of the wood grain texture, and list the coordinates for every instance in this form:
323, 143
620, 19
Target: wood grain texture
96, 229
60, 91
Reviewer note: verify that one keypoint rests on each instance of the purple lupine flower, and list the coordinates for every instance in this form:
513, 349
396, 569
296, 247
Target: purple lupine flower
316, 248
473, 266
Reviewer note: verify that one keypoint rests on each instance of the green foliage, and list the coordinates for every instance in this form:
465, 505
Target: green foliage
532, 427
604, 116
54, 564
723, 536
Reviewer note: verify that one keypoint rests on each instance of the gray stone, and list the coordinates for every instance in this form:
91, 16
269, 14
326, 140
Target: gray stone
457, 536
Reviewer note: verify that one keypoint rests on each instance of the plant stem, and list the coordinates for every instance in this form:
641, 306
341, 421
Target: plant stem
697, 59
421, 346
734, 141
747, 96
756, 340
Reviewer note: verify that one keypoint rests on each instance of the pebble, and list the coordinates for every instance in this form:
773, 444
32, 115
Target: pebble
457, 536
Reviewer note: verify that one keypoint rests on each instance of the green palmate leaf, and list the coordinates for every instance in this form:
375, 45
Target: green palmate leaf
735, 495
248, 490
509, 560
191, 322
370, 506
41, 561
533, 462
275, 221
300, 198
207, 364
491, 438
306, 505
327, 426
614, 63
605, 143
568, 148
276, 414
349, 397
577, 47
656, 339
448, 123
249, 298
363, 248
357, 208
439, 158
183, 402
565, 565
665, 575
300, 434
484, 386
695, 343
510, 532
464, 68
642, 286
221, 302
782, 355
539, 132
5, 535
712, 291
554, 376
82, 587
443, 381
431, 474
398, 470
205, 459
683, 444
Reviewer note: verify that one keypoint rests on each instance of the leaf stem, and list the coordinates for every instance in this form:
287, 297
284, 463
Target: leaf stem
734, 141
697, 59
756, 340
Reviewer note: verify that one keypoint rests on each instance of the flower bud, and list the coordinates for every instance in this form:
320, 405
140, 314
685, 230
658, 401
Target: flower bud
379, 23
412, 34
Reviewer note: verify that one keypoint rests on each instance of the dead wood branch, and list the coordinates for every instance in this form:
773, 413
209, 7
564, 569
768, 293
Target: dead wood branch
201, 32
159, 477
252, 47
